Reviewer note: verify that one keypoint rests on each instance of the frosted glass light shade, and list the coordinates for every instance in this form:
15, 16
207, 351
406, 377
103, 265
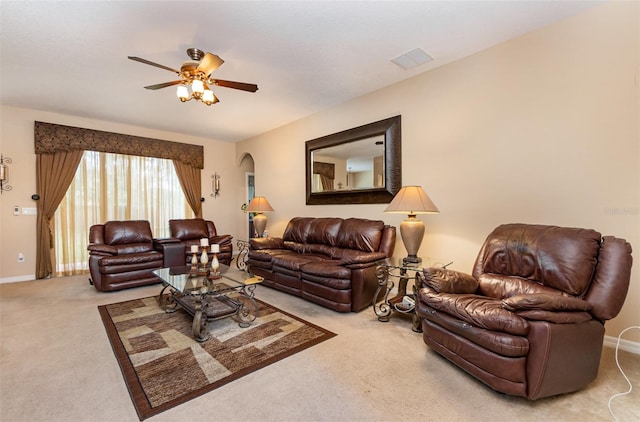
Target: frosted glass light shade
182, 92
197, 86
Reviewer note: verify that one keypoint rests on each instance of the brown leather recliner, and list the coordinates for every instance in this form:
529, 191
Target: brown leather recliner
122, 255
529, 321
190, 231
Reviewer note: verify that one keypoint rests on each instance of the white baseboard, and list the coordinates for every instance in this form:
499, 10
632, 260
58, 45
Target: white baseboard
626, 345
27, 277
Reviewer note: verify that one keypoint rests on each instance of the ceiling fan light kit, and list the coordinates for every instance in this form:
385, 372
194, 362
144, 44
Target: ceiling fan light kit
196, 77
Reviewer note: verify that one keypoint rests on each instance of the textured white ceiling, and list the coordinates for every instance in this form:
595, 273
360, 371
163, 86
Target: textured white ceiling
305, 56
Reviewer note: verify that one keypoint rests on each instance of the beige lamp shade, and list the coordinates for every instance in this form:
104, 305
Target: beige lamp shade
259, 205
412, 200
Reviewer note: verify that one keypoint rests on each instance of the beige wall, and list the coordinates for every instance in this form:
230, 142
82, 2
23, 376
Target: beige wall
541, 129
17, 234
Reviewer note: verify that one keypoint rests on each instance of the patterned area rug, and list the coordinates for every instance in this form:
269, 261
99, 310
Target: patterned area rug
164, 366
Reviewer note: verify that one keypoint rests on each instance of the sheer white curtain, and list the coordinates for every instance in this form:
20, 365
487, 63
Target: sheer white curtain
114, 187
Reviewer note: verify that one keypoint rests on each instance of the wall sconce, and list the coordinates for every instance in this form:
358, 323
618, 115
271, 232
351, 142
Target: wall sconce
4, 173
215, 185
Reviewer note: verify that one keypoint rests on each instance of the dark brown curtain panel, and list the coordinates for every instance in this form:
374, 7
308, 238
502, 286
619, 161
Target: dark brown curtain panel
191, 183
54, 174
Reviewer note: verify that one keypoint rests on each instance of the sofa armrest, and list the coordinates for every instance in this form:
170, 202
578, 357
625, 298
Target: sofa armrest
362, 258
221, 240
173, 251
257, 243
545, 302
443, 280
166, 240
102, 249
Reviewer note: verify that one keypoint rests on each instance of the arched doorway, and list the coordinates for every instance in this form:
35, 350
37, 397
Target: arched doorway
247, 165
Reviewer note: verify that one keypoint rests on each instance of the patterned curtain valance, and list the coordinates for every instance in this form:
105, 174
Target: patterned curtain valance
51, 138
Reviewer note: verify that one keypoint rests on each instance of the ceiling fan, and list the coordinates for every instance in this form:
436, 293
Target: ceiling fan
195, 77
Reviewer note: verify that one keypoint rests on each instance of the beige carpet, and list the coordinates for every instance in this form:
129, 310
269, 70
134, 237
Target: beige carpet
164, 366
371, 371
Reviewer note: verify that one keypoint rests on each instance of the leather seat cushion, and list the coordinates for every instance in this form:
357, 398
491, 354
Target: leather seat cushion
138, 258
479, 311
267, 255
501, 343
294, 261
327, 269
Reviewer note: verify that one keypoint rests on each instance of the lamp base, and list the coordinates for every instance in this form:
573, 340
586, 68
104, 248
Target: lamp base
259, 223
411, 259
412, 232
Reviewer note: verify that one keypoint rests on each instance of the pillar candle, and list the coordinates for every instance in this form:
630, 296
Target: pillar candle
194, 248
204, 242
215, 248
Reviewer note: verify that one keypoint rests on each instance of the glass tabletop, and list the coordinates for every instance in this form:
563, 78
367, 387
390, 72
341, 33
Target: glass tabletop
185, 281
400, 264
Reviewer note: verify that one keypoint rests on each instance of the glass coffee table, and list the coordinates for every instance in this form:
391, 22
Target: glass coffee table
206, 298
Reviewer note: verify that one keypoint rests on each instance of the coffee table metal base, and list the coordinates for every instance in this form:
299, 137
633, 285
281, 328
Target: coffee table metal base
207, 307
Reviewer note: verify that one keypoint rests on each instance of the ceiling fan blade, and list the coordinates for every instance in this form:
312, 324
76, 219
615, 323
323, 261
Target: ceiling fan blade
145, 61
235, 85
209, 63
164, 85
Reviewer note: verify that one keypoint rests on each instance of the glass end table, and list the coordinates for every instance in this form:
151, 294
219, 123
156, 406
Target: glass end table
387, 272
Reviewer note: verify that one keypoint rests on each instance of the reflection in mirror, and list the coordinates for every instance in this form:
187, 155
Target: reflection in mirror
354, 165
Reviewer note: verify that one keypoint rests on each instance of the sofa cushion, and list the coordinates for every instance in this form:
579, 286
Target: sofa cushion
559, 257
556, 317
330, 269
118, 264
504, 286
361, 234
297, 229
479, 311
545, 302
294, 261
499, 342
324, 231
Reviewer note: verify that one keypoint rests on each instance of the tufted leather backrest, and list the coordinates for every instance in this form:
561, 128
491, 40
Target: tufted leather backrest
187, 229
127, 232
361, 234
558, 257
297, 230
125, 237
520, 259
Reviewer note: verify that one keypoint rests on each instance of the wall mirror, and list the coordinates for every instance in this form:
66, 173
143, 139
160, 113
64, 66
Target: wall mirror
356, 166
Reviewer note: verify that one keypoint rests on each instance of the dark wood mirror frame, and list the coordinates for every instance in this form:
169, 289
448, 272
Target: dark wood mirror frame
391, 129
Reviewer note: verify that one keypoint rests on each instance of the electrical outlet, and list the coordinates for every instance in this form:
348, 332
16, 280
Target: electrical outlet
20, 257
16, 210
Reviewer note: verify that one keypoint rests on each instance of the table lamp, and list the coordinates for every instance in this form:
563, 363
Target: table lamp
412, 200
259, 205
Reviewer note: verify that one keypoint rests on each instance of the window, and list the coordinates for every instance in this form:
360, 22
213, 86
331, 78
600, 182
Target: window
114, 187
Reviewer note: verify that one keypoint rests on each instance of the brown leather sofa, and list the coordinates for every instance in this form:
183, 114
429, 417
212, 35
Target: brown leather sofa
329, 261
529, 320
190, 231
122, 255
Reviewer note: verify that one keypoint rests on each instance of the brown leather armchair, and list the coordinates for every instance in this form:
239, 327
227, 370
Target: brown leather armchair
122, 255
529, 320
190, 231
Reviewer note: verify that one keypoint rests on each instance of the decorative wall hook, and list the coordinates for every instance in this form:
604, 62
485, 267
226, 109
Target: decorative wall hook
4, 173
215, 185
